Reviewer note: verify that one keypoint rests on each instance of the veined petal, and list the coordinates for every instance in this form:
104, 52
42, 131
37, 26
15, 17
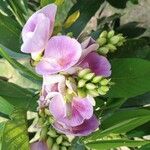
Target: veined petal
98, 64
61, 53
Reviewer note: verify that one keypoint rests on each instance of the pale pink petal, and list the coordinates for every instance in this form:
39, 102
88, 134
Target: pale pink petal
61, 53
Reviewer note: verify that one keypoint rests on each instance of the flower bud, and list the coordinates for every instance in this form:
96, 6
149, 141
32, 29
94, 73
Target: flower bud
63, 148
43, 133
81, 92
105, 81
111, 47
111, 34
65, 143
97, 79
103, 34
101, 41
114, 40
89, 76
52, 133
101, 92
93, 93
55, 147
81, 83
59, 140
90, 86
49, 142
103, 50
83, 72
104, 88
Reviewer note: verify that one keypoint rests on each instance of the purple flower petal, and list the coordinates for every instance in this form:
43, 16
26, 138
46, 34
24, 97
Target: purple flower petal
98, 64
38, 29
61, 53
38, 146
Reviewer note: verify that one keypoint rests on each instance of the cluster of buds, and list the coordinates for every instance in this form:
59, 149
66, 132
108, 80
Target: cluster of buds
109, 42
54, 140
89, 83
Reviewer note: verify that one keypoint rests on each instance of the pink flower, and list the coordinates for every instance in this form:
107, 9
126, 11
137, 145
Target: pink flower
61, 53
38, 29
38, 146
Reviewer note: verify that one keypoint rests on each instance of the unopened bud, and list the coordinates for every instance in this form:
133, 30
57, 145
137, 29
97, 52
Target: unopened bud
101, 41
89, 76
83, 72
55, 147
81, 83
49, 142
81, 92
59, 140
111, 47
105, 81
97, 79
90, 86
43, 133
103, 50
104, 88
114, 40
103, 34
65, 143
63, 148
93, 93
52, 133
111, 34
101, 92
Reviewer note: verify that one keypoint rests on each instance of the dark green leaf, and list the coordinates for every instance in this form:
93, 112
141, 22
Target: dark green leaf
18, 96
108, 144
145, 147
118, 3
19, 66
131, 77
15, 135
87, 9
10, 33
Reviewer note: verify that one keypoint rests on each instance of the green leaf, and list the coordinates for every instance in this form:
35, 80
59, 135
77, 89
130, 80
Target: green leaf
18, 96
118, 4
87, 9
122, 127
22, 69
108, 144
10, 33
15, 134
46, 2
5, 107
131, 77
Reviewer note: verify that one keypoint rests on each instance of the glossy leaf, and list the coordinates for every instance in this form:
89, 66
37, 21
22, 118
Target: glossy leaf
108, 144
22, 69
87, 9
15, 135
131, 77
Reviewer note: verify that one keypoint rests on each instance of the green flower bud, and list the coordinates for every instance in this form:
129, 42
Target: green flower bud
47, 112
105, 81
101, 92
83, 72
120, 43
101, 41
81, 92
66, 143
93, 93
104, 88
43, 134
90, 86
111, 47
89, 76
41, 121
103, 34
103, 50
52, 133
111, 34
97, 79
59, 140
41, 113
114, 40
55, 147
81, 83
63, 148
49, 142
